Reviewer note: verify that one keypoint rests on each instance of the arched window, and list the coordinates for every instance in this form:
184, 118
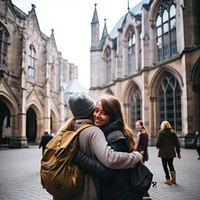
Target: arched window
31, 67
166, 31
135, 106
169, 101
131, 51
196, 13
52, 77
108, 65
140, 51
140, 42
3, 44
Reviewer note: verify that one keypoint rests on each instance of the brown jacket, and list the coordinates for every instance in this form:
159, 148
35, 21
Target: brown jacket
168, 143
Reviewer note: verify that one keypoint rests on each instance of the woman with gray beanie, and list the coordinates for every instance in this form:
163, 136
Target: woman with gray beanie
93, 143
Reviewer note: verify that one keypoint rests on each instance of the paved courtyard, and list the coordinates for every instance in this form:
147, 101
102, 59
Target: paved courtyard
19, 176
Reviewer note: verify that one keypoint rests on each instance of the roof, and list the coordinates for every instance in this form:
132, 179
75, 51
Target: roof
71, 87
135, 11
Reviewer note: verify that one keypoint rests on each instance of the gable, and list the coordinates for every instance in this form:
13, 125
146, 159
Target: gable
32, 24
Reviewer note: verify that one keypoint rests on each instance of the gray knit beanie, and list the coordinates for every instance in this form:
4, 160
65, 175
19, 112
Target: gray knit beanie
81, 105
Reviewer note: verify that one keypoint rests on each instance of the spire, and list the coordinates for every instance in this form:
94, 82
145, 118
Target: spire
52, 32
94, 30
128, 6
33, 6
95, 16
105, 31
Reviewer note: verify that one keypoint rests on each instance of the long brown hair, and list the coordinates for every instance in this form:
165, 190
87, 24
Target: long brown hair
112, 108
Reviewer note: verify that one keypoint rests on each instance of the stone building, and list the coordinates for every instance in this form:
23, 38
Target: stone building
151, 62
32, 74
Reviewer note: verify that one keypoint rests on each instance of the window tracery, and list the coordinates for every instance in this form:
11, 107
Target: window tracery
166, 30
131, 51
136, 106
31, 67
169, 101
108, 65
3, 44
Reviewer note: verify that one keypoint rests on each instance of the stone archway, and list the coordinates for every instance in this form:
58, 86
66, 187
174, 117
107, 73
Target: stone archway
196, 89
31, 125
165, 96
5, 126
133, 103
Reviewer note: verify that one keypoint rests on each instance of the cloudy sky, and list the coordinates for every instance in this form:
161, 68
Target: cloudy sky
71, 20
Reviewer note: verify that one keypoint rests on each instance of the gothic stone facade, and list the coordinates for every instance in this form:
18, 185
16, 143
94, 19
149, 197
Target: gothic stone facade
151, 62
32, 73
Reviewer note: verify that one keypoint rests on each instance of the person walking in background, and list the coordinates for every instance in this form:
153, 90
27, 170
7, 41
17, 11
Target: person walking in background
142, 144
44, 140
168, 145
142, 140
197, 143
52, 133
93, 143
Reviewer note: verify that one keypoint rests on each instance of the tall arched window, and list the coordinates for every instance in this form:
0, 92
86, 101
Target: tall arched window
3, 44
166, 30
108, 65
169, 101
136, 106
196, 13
53, 77
31, 67
131, 51
140, 51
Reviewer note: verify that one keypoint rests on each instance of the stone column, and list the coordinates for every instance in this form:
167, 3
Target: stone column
47, 102
61, 95
18, 139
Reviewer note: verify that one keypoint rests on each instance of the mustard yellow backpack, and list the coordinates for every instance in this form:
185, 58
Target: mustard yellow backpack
59, 176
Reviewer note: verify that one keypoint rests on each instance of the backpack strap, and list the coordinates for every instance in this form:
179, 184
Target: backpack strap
79, 129
74, 133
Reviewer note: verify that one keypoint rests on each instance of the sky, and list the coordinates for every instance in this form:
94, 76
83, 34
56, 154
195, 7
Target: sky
71, 20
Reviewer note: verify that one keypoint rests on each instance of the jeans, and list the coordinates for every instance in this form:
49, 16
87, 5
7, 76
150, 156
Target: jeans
167, 162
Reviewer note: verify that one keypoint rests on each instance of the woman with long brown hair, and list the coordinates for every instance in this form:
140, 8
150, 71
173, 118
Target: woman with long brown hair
142, 139
142, 144
115, 184
93, 143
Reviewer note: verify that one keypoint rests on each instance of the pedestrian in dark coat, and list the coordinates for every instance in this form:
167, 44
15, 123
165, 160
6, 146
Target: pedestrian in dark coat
44, 140
197, 143
168, 145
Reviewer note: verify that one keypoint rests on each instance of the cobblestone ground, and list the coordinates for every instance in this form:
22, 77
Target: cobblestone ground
19, 176
188, 171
